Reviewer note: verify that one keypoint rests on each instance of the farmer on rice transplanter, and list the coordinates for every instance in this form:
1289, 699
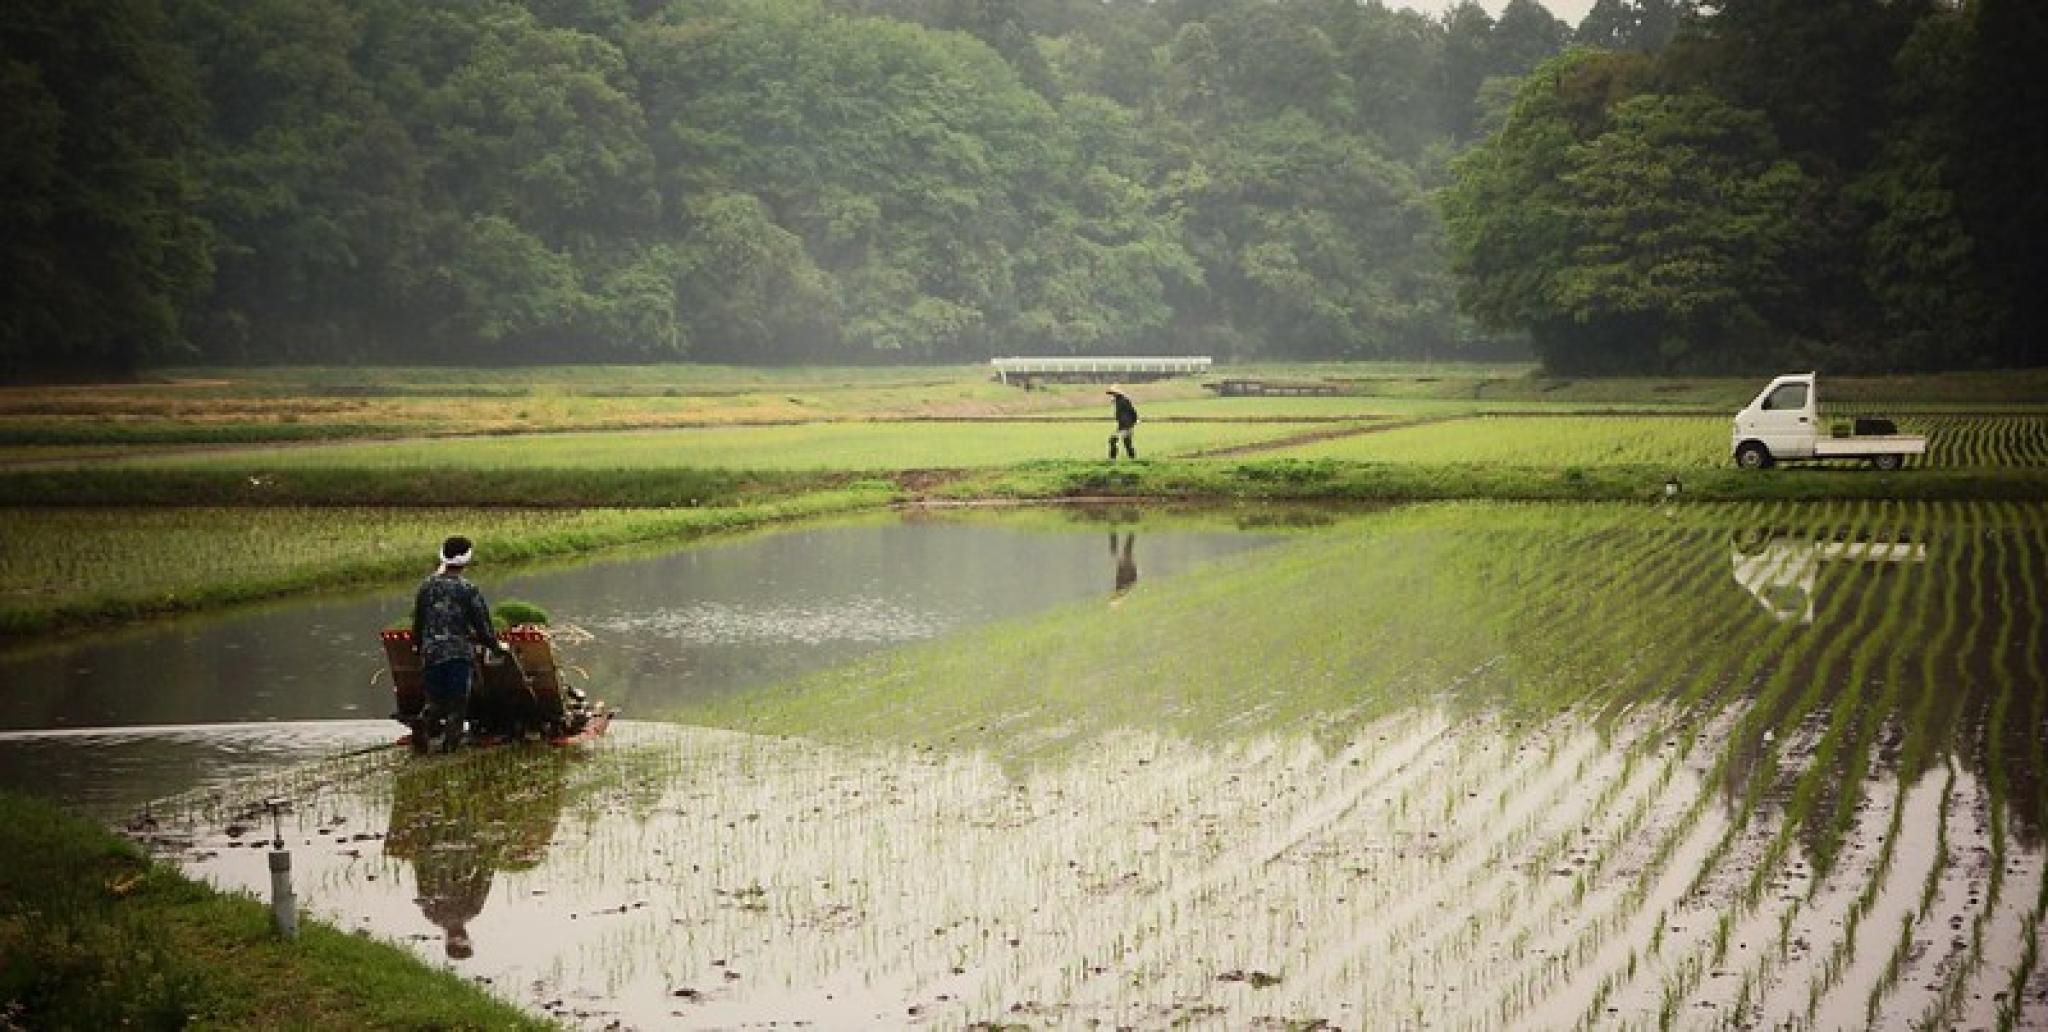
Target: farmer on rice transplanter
449, 619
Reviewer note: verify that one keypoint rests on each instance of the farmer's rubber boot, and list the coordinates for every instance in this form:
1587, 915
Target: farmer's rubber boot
451, 736
1130, 449
1112, 447
426, 726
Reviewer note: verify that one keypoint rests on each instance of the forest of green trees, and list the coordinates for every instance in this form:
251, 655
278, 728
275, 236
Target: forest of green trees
1668, 185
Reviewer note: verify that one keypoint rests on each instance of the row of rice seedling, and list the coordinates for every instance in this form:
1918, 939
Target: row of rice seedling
1723, 938
1999, 577
1987, 799
1987, 441
1835, 960
1823, 807
1518, 553
1758, 975
816, 446
1675, 835
60, 566
1672, 441
1489, 765
1692, 836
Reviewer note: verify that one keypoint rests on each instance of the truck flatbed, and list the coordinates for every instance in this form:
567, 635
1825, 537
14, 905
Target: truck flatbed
1865, 447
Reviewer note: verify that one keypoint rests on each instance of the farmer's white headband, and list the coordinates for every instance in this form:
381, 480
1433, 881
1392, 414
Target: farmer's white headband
456, 560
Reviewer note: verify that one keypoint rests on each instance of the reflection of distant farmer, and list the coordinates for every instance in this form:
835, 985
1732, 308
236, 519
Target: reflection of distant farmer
1126, 566
1126, 420
449, 619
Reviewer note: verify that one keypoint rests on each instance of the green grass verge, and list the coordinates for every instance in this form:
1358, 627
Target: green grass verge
814, 447
1334, 480
95, 935
22, 433
1250, 476
409, 488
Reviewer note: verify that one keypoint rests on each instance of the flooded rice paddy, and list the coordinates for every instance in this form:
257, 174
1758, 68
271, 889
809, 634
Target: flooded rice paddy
664, 629
1459, 766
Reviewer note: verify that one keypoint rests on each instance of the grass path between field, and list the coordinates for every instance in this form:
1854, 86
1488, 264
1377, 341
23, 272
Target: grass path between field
93, 934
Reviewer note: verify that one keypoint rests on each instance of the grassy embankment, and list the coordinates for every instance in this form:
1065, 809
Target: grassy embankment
95, 935
65, 569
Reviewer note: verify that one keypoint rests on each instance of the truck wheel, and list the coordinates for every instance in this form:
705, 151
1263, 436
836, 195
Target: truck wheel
1887, 463
1752, 456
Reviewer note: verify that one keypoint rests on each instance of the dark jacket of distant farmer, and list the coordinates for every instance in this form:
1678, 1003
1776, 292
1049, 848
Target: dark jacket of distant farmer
1126, 413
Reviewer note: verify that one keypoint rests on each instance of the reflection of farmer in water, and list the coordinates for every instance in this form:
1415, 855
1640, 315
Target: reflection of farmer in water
1126, 566
461, 823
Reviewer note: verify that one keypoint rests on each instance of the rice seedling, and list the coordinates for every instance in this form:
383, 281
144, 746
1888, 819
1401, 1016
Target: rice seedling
869, 446
60, 568
1499, 764
1585, 441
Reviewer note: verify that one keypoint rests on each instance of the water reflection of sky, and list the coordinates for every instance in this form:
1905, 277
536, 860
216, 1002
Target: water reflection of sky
854, 620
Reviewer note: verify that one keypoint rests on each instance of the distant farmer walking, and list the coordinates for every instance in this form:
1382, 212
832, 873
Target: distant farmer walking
1126, 420
449, 620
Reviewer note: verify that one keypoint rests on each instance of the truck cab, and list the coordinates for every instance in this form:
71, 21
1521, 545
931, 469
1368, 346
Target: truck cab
1783, 424
1780, 419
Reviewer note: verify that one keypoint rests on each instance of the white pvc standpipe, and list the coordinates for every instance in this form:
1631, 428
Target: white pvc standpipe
284, 907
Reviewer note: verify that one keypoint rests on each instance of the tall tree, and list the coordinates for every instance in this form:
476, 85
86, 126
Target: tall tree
1640, 25
2004, 131
1922, 263
312, 186
1468, 62
1392, 58
101, 247
1654, 231
1525, 36
1819, 69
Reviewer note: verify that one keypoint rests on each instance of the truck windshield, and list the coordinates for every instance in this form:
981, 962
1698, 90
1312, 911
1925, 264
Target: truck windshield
1789, 396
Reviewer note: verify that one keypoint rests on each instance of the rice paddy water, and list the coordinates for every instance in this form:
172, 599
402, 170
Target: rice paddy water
89, 719
1469, 765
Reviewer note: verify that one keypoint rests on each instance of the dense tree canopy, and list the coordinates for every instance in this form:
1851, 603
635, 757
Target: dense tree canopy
776, 181
732, 180
1788, 181
102, 246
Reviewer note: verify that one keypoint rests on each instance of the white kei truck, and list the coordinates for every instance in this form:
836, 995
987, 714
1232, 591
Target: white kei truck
1783, 424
